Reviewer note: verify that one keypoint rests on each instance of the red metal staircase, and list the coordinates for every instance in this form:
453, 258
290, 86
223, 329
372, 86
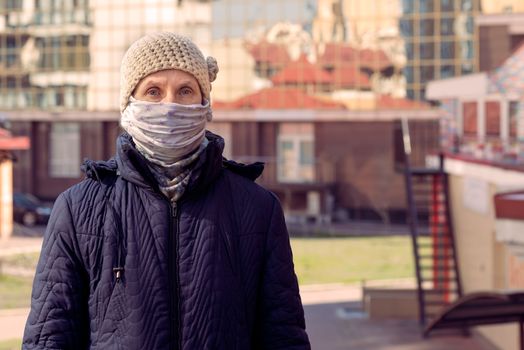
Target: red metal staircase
429, 215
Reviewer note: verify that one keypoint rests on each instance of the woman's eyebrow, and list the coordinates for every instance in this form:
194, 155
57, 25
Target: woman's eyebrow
152, 81
186, 82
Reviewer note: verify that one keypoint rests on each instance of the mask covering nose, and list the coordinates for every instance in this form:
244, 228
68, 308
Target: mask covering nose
165, 132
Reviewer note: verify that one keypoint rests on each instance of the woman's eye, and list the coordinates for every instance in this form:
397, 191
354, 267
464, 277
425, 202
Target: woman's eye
186, 91
153, 92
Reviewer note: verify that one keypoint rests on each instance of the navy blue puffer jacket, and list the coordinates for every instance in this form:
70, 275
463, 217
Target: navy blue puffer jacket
121, 268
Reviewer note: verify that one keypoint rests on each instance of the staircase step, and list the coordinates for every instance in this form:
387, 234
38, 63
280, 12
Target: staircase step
440, 279
435, 256
440, 291
440, 267
437, 303
433, 245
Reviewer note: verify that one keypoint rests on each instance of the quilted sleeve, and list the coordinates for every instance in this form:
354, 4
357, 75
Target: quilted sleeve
280, 321
58, 318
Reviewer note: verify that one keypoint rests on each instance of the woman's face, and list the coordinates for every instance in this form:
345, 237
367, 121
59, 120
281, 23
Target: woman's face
170, 85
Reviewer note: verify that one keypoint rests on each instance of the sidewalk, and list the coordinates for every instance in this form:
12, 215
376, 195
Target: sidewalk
20, 245
12, 322
334, 322
333, 312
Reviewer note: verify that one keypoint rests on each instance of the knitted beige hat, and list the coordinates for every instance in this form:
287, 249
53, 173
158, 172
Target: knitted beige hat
159, 51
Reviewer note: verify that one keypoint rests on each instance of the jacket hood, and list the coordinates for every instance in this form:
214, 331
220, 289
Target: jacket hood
251, 171
132, 166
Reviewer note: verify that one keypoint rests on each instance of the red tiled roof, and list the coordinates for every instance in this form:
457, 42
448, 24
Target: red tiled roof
14, 143
388, 102
278, 98
374, 59
336, 54
302, 71
349, 77
11, 143
266, 52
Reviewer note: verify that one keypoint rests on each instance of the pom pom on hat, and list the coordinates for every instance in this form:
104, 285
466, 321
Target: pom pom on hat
160, 51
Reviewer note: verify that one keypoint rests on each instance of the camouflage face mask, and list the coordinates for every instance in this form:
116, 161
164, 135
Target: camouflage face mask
165, 132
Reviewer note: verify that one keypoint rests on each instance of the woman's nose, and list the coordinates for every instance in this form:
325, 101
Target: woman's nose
170, 97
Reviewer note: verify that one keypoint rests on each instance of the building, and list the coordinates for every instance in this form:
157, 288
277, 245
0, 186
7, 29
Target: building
440, 41
326, 162
499, 36
60, 85
483, 135
484, 112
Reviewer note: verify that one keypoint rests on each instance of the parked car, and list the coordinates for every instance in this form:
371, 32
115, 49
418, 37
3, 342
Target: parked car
29, 210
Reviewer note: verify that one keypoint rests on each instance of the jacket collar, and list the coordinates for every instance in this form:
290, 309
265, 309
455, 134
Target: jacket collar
132, 166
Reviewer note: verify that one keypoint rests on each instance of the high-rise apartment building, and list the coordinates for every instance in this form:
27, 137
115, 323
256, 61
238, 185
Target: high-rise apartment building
44, 54
60, 55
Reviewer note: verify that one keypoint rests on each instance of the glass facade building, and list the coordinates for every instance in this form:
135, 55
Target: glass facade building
441, 41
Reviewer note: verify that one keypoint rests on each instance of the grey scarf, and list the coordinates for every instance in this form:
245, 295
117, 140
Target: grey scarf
173, 178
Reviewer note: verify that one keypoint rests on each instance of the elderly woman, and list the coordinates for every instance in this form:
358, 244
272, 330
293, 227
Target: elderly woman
168, 245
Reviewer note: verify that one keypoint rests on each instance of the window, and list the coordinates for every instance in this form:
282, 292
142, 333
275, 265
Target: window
409, 73
296, 153
427, 27
406, 27
64, 151
446, 5
447, 49
64, 53
446, 26
426, 6
427, 73
493, 119
469, 112
407, 6
447, 71
427, 50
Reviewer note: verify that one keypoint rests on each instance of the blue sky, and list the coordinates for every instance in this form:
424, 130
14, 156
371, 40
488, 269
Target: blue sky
231, 18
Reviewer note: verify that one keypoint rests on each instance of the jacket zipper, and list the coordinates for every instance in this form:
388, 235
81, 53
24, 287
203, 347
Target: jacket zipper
175, 276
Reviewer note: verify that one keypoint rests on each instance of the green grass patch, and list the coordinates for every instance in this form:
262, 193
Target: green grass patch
15, 292
352, 259
26, 260
11, 344
317, 260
